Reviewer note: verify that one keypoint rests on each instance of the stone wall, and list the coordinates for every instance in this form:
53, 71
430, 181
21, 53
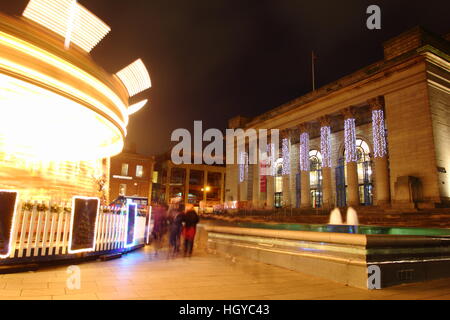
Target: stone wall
439, 97
410, 139
231, 183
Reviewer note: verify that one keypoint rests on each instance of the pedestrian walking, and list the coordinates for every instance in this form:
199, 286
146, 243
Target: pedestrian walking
190, 228
159, 226
176, 218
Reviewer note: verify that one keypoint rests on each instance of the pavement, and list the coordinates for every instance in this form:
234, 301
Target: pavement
143, 276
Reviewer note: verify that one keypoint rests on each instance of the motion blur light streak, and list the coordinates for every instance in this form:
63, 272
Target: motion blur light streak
36, 136
63, 116
135, 77
136, 107
69, 19
64, 66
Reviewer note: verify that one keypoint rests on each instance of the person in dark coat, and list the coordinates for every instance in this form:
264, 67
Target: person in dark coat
176, 217
190, 228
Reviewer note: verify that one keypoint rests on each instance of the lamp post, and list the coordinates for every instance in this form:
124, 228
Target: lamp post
205, 191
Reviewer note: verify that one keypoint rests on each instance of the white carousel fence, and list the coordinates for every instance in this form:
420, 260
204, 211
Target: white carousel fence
40, 230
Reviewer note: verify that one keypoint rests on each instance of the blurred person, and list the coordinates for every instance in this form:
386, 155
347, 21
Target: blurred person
190, 228
159, 226
176, 218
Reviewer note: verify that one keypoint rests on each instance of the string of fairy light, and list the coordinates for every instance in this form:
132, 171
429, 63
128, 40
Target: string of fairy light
350, 140
304, 151
286, 157
325, 146
379, 141
242, 166
379, 134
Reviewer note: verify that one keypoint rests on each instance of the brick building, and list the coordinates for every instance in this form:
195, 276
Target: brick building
131, 174
193, 183
378, 137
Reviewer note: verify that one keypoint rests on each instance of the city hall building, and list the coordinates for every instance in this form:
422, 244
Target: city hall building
378, 137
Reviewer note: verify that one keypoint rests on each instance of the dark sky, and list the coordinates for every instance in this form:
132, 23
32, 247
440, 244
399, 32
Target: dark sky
211, 60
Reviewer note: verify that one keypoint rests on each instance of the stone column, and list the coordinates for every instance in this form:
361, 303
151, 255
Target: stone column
351, 158
205, 184
169, 177
222, 187
272, 152
382, 188
256, 186
270, 192
264, 172
305, 193
295, 162
186, 186
325, 149
286, 155
243, 176
150, 187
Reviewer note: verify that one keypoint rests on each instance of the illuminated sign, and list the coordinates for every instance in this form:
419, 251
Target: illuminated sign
83, 224
132, 211
123, 177
8, 210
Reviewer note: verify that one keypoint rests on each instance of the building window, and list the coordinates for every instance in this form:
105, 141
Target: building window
155, 177
123, 190
364, 173
365, 178
124, 169
214, 179
279, 184
139, 171
196, 178
315, 178
178, 176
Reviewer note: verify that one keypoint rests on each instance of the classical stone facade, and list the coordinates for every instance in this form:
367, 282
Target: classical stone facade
378, 137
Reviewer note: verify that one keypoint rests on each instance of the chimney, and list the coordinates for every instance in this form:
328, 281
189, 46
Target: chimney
412, 40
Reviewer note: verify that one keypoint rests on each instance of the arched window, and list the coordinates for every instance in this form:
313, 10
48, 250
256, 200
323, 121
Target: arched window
315, 178
364, 168
364, 172
279, 183
362, 150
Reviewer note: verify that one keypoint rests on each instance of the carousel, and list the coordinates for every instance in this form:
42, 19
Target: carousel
62, 117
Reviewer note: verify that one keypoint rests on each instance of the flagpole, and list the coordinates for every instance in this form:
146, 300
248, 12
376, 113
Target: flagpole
313, 67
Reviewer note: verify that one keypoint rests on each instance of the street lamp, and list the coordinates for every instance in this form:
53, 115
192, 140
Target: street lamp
205, 190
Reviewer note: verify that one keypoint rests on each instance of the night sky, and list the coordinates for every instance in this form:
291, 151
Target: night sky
211, 60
